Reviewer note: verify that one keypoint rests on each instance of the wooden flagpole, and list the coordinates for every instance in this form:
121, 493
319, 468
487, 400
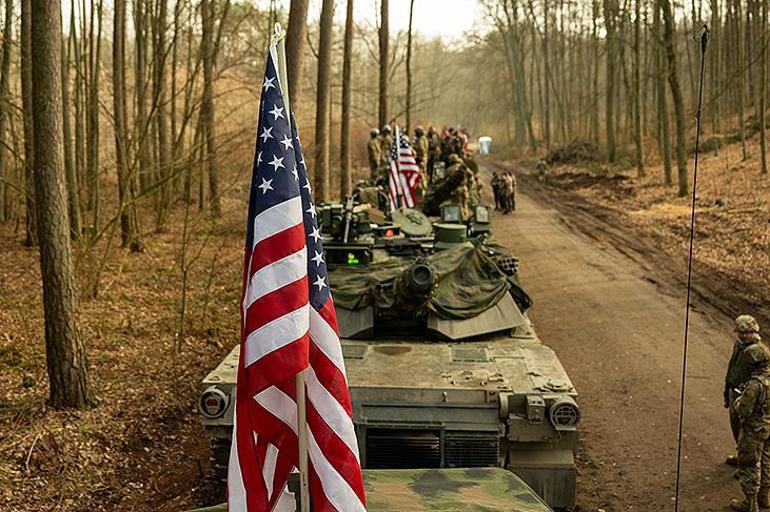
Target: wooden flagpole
279, 40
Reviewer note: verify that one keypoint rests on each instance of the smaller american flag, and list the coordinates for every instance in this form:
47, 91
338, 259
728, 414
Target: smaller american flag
405, 176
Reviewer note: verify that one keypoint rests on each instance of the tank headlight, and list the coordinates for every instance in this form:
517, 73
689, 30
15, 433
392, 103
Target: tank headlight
214, 403
564, 414
481, 214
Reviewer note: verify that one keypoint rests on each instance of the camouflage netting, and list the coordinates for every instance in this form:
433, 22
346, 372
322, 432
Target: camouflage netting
468, 283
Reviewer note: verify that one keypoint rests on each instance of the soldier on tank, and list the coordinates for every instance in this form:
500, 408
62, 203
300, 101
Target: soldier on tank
385, 140
461, 193
375, 153
421, 148
434, 149
747, 350
752, 409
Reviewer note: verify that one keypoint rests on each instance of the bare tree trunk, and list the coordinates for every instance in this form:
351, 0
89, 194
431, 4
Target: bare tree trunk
609, 22
637, 88
409, 70
140, 123
69, 160
595, 92
126, 207
295, 47
384, 61
676, 93
92, 147
207, 104
65, 355
762, 31
5, 97
660, 80
321, 153
347, 78
160, 102
547, 68
741, 93
30, 238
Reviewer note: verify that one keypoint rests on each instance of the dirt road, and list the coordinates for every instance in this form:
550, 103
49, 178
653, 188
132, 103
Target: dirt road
611, 309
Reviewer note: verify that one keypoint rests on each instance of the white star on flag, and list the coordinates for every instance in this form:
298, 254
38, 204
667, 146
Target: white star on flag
259, 159
266, 134
295, 173
320, 282
318, 258
266, 185
311, 210
287, 143
315, 235
268, 83
277, 112
276, 163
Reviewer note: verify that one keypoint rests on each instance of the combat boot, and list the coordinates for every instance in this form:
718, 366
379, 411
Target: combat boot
748, 504
763, 498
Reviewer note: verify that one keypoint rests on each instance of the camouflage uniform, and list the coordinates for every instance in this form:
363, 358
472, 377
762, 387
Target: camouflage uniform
460, 195
746, 355
421, 151
386, 143
753, 411
375, 155
748, 350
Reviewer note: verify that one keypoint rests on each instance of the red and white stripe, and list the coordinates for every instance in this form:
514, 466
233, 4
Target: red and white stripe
404, 177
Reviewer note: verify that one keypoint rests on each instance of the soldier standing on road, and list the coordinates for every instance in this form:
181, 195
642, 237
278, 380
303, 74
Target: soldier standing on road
375, 154
747, 350
542, 170
512, 192
752, 408
496, 190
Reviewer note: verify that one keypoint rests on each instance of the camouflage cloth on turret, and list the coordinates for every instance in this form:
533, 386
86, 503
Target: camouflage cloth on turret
468, 283
444, 490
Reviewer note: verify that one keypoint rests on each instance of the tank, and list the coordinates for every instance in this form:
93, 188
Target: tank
443, 490
445, 369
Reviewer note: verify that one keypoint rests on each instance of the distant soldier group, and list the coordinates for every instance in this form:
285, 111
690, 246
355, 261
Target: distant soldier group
504, 189
747, 397
450, 147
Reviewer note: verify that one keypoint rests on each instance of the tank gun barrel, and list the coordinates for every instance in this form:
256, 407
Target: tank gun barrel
414, 286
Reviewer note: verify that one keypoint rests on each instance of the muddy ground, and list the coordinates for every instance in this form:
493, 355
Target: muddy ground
610, 299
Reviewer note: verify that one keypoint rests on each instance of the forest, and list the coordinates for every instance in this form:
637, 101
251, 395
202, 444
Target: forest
127, 133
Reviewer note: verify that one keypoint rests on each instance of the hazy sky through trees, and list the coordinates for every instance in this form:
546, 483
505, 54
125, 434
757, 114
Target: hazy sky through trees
447, 19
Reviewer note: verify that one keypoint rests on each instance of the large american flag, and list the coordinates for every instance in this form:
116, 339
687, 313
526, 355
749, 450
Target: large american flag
405, 176
288, 324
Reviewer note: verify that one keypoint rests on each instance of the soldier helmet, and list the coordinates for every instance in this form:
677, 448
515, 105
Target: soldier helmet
385, 128
454, 158
419, 130
746, 324
374, 132
758, 354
